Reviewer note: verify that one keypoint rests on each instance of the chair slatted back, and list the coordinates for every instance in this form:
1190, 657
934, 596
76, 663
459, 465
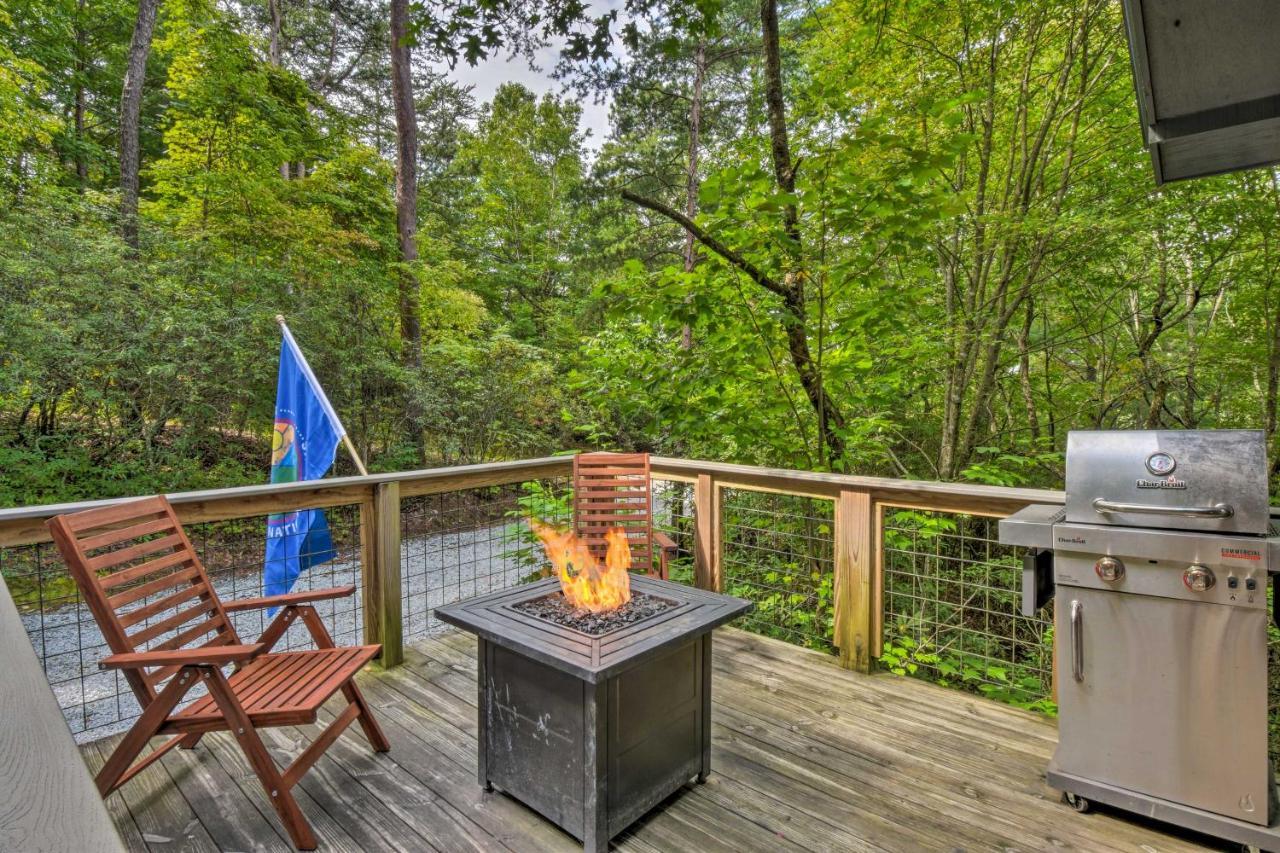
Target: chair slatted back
143, 582
612, 490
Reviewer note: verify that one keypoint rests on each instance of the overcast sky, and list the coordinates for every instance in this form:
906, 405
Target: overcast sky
489, 74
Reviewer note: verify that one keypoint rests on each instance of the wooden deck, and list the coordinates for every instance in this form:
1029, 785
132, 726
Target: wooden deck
807, 756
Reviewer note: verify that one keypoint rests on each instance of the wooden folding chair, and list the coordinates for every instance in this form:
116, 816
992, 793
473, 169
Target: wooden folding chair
613, 490
168, 631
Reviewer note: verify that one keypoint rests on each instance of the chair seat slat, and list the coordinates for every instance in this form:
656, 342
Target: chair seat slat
265, 679
294, 694
285, 682
318, 681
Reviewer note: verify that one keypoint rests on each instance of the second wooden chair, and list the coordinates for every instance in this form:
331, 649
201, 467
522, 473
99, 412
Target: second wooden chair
614, 490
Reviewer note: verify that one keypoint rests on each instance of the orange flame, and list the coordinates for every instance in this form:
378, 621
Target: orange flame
586, 584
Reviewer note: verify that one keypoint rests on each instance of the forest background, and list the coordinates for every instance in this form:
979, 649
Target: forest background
910, 239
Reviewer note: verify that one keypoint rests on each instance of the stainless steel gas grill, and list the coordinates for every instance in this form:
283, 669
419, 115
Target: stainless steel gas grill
1159, 562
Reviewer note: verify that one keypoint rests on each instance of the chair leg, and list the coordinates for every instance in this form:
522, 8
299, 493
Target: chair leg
148, 725
190, 741
367, 722
281, 797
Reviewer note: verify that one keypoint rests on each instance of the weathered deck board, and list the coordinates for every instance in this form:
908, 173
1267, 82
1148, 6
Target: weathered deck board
806, 756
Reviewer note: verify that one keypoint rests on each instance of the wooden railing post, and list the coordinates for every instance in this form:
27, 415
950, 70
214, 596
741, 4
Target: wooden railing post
706, 553
380, 565
877, 579
854, 589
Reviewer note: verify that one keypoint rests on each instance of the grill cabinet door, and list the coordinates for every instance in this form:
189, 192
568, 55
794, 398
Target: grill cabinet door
1165, 697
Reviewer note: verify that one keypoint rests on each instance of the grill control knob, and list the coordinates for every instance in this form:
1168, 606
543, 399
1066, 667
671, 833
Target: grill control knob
1198, 578
1110, 569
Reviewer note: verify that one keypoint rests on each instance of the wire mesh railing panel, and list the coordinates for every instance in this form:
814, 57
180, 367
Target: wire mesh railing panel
233, 556
455, 545
97, 703
777, 551
673, 515
951, 609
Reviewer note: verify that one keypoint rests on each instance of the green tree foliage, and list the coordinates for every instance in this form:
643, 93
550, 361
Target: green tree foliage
522, 226
969, 221
123, 376
990, 262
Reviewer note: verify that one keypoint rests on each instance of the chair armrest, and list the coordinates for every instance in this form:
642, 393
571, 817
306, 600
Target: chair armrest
206, 655
288, 598
665, 542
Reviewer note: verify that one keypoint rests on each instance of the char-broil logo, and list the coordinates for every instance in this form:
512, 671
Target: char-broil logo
1241, 554
1072, 540
1170, 482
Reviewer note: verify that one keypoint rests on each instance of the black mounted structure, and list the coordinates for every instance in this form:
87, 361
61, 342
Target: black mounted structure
1207, 75
594, 731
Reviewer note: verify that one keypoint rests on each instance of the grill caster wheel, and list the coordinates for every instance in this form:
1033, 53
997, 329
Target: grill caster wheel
1076, 802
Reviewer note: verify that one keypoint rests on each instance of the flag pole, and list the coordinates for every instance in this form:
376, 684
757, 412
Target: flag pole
346, 439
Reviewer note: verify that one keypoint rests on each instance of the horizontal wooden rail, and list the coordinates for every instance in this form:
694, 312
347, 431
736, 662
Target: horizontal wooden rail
917, 494
26, 525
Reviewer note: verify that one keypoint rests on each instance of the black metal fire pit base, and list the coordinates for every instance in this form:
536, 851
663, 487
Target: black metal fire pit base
594, 731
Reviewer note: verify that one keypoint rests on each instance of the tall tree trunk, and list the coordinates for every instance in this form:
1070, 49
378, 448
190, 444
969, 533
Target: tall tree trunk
82, 64
407, 214
277, 24
1024, 373
406, 181
691, 169
795, 319
130, 115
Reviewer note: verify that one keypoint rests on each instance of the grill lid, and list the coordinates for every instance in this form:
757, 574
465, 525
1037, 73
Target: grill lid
1178, 479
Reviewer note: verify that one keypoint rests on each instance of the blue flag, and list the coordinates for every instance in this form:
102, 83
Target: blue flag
305, 441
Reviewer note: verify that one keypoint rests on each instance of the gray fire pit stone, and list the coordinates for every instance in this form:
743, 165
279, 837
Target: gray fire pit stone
593, 731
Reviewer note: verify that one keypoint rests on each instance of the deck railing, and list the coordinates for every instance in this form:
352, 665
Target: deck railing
903, 571
870, 568
397, 541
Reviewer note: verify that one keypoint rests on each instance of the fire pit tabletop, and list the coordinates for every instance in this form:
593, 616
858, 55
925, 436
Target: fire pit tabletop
592, 658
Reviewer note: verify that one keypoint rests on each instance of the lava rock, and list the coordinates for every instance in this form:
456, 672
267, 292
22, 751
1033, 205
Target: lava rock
555, 608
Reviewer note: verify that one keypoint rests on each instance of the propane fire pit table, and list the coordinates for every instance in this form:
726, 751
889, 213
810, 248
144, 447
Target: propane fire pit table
593, 719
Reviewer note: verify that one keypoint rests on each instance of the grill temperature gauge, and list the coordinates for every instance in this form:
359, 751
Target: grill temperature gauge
1198, 578
1109, 569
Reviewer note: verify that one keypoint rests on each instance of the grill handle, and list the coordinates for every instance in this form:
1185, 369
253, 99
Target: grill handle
1077, 641
1215, 511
